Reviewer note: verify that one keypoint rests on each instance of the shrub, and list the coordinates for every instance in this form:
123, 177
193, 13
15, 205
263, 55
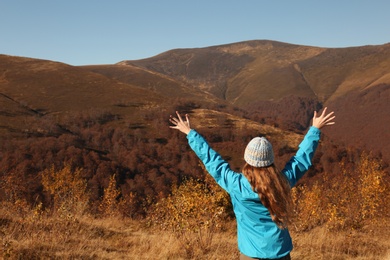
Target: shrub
194, 210
357, 195
109, 205
191, 205
308, 208
67, 189
372, 186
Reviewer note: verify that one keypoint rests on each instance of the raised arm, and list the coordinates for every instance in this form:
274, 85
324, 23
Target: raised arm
215, 165
302, 160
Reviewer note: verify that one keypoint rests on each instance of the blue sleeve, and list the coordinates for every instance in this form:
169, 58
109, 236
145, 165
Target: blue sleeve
215, 165
302, 160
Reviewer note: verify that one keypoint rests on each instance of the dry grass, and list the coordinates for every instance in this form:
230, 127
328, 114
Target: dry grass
37, 237
372, 242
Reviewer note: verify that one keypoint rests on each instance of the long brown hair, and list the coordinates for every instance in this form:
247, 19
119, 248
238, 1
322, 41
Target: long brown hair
274, 191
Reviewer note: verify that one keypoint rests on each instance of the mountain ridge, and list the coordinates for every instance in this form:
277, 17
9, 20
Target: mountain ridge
267, 71
269, 62
278, 83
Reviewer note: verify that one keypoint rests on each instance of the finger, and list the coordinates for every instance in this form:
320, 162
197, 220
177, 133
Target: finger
188, 120
178, 115
324, 111
329, 115
331, 118
328, 119
173, 120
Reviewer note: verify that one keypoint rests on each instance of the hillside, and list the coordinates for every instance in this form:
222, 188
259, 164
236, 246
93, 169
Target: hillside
48, 86
33, 88
164, 85
282, 84
364, 119
99, 108
87, 149
247, 72
54, 115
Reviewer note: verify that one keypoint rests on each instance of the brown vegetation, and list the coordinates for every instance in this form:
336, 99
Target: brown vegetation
281, 83
94, 172
331, 222
113, 238
89, 166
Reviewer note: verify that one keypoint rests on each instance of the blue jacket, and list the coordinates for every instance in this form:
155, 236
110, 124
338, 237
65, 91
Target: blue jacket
258, 236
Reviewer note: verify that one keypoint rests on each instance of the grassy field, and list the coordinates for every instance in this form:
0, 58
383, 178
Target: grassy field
33, 236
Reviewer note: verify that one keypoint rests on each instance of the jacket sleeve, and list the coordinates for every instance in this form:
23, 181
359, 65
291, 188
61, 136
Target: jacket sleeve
215, 165
302, 160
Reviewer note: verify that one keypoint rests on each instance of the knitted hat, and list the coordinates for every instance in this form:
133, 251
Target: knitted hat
259, 153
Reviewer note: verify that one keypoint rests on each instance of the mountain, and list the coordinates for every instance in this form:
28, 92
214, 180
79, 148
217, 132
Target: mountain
244, 73
271, 82
34, 88
285, 83
112, 120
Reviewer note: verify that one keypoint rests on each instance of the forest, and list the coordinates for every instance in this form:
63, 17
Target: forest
94, 165
145, 166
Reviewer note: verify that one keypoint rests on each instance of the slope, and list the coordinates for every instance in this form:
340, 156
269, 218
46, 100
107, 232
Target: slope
156, 82
246, 72
38, 88
281, 84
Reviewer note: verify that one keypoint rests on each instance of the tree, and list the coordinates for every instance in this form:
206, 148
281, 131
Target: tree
67, 189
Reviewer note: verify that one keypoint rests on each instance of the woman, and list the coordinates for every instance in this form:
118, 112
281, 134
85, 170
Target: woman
261, 194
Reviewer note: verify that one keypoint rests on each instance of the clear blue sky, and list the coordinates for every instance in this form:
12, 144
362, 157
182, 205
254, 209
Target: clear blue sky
105, 32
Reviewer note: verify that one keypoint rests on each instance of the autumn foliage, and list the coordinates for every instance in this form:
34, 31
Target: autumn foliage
88, 169
358, 195
88, 165
67, 190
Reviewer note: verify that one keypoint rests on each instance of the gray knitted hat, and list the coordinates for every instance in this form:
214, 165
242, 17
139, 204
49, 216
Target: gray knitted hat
259, 153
